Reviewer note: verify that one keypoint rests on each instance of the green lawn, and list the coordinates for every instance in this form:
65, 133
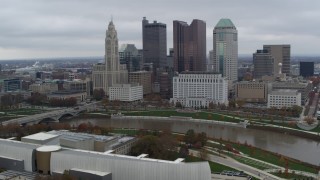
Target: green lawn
271, 157
129, 132
291, 176
195, 115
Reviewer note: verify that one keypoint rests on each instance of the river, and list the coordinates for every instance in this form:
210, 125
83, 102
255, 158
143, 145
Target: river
305, 150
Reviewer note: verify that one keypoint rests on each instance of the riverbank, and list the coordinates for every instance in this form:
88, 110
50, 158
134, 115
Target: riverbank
292, 132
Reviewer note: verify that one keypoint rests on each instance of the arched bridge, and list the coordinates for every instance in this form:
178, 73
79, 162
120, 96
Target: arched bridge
52, 116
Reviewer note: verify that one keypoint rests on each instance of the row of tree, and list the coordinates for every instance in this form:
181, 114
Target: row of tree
163, 145
68, 102
10, 100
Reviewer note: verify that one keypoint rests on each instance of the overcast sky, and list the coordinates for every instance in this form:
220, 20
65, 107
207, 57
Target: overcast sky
76, 28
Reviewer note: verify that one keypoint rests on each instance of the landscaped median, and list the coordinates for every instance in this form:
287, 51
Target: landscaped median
261, 159
194, 115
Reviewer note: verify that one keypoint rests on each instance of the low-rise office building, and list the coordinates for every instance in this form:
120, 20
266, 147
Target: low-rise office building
80, 96
143, 78
43, 88
198, 89
284, 98
252, 91
126, 92
303, 87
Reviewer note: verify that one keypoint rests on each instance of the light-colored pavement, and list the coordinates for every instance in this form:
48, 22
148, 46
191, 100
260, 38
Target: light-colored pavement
239, 166
39, 117
313, 105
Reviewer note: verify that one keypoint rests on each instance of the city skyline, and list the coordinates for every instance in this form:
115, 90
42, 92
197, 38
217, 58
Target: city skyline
40, 29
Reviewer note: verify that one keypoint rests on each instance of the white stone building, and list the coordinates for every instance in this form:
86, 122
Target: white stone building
111, 72
126, 92
284, 98
198, 89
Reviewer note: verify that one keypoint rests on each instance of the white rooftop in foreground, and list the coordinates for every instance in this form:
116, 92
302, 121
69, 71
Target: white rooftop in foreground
41, 136
99, 173
48, 148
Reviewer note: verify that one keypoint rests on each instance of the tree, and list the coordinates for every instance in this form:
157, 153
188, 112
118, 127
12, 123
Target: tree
210, 106
202, 138
178, 105
98, 94
149, 145
232, 104
309, 120
240, 103
190, 137
184, 151
7, 100
37, 99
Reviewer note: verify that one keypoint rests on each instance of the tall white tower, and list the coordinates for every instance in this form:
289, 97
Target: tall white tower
111, 72
225, 49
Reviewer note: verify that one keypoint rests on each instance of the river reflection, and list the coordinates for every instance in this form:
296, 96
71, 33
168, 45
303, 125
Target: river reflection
292, 146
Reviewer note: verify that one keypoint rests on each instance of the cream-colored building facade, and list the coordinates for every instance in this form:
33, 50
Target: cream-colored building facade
252, 91
111, 72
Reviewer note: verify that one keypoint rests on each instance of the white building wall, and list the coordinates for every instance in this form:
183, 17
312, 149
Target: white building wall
280, 100
126, 92
18, 150
196, 90
125, 167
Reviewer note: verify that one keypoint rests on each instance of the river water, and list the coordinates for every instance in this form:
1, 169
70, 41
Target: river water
292, 146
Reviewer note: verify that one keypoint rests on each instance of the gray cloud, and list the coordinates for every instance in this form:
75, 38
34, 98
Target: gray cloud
44, 28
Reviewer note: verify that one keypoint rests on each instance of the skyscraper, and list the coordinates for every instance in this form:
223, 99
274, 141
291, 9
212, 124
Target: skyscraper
111, 72
131, 57
154, 42
281, 54
225, 49
306, 69
189, 44
263, 64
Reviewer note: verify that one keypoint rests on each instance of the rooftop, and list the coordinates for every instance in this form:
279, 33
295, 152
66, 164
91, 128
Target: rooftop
197, 72
99, 173
288, 92
225, 23
41, 136
51, 148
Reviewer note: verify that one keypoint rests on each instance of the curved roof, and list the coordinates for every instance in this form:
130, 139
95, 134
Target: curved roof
223, 23
126, 167
48, 148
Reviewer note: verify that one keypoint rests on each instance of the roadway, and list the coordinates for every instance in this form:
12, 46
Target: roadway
239, 166
313, 106
39, 117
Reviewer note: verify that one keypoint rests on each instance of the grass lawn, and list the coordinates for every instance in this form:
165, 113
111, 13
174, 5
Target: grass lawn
291, 176
129, 132
195, 115
271, 157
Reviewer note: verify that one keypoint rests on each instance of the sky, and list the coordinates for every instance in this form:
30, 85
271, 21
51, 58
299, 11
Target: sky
76, 28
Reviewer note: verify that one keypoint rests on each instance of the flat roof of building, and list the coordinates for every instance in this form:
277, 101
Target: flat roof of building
50, 148
99, 173
197, 72
41, 136
284, 92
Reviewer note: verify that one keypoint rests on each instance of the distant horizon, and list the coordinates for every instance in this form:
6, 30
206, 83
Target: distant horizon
96, 57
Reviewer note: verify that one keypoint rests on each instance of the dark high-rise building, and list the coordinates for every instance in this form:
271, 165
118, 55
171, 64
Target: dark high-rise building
263, 64
131, 57
189, 45
306, 69
280, 54
12, 85
154, 39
